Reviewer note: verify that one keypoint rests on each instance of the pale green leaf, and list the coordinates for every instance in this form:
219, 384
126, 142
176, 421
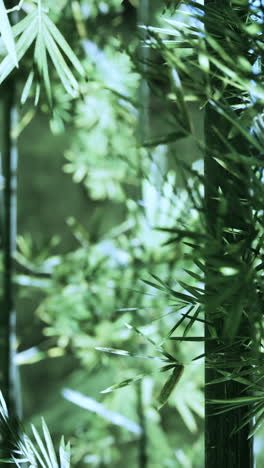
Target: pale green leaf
122, 384
65, 74
58, 37
49, 443
42, 448
7, 35
65, 454
27, 87
170, 385
22, 46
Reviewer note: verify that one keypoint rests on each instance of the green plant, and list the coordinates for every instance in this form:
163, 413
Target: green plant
159, 257
26, 451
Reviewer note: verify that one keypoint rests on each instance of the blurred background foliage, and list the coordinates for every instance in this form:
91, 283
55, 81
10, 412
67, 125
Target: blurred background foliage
90, 200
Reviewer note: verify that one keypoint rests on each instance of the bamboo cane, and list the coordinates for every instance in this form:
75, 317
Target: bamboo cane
221, 448
8, 373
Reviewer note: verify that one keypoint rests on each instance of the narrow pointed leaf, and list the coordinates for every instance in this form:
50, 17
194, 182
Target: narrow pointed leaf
170, 385
58, 37
7, 34
49, 444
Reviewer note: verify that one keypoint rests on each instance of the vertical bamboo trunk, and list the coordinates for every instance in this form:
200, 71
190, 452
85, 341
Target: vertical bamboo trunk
145, 13
143, 442
144, 91
221, 448
9, 154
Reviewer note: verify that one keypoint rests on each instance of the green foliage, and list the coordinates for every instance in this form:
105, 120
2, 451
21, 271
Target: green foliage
36, 26
6, 33
133, 285
37, 452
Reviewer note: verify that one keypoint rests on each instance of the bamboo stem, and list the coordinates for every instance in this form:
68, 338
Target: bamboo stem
9, 155
222, 447
142, 453
9, 383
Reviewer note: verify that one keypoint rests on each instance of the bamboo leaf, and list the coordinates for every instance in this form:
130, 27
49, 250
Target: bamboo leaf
3, 407
7, 34
65, 454
41, 447
49, 443
58, 37
124, 383
258, 424
192, 338
23, 44
195, 291
27, 87
179, 321
98, 408
239, 400
139, 332
170, 385
156, 286
194, 275
67, 78
122, 352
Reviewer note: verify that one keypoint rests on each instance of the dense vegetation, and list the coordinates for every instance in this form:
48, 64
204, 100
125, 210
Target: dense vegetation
137, 264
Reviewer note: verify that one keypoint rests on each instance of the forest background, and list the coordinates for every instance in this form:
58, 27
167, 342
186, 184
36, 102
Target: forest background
102, 183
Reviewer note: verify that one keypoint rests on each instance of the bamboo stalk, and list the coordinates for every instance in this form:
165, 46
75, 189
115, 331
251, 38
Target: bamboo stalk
9, 384
221, 448
143, 442
144, 91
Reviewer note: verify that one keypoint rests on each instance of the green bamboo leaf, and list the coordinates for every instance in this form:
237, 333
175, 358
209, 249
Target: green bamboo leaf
49, 443
53, 38
167, 31
183, 233
156, 286
122, 352
65, 74
3, 407
228, 168
159, 280
22, 25
124, 383
178, 89
179, 322
194, 275
183, 297
239, 400
169, 291
258, 424
198, 319
29, 451
37, 94
58, 37
236, 123
7, 35
192, 338
139, 332
42, 449
192, 320
170, 385
164, 140
65, 454
27, 87
40, 56
195, 291
23, 44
